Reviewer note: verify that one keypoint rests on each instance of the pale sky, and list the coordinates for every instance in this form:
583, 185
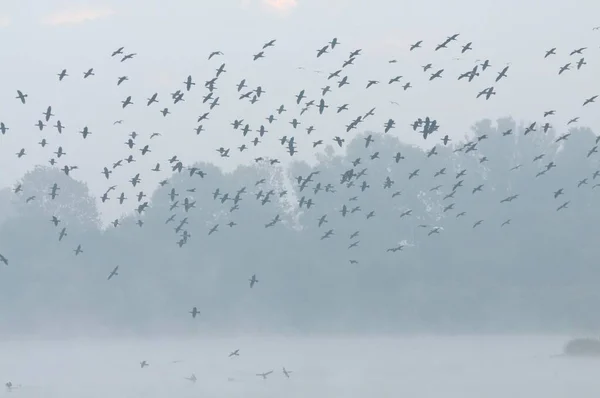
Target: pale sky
173, 39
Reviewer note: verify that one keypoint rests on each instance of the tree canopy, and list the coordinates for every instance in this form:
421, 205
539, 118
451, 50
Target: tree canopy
525, 267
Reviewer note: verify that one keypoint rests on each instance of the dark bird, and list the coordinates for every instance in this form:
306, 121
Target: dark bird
270, 43
194, 312
253, 280
114, 272
89, 73
21, 96
578, 51
286, 372
128, 56
590, 100
118, 51
416, 45
564, 68
502, 73
62, 75
264, 375
322, 50
127, 102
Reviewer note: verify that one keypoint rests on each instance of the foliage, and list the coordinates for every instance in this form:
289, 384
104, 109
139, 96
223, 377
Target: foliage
538, 273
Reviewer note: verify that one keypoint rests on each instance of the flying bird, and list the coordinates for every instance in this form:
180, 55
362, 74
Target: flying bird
114, 272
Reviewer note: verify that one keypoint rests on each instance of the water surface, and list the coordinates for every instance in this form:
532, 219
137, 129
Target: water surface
463, 366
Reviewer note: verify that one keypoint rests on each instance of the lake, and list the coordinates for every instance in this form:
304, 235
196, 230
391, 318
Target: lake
422, 366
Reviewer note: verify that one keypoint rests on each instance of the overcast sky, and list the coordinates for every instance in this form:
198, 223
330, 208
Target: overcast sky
173, 39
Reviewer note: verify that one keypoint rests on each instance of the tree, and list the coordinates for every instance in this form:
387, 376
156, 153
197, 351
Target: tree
535, 273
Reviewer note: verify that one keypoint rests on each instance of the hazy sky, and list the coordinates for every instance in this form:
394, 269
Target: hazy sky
39, 38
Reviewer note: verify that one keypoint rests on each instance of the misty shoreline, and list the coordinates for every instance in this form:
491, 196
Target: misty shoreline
282, 337
491, 366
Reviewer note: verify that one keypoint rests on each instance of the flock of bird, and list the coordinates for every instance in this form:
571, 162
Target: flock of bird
300, 102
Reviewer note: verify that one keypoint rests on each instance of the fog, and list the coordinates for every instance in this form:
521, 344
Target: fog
465, 312
417, 236
535, 274
462, 366
171, 44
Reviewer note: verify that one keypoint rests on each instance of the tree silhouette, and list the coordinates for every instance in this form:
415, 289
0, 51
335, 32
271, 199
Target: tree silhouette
535, 273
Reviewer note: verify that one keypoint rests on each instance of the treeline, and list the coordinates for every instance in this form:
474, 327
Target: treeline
539, 272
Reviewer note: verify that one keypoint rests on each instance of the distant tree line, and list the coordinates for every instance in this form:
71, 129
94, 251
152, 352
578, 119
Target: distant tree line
538, 272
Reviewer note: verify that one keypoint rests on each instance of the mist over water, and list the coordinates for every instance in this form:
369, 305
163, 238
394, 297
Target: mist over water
537, 277
457, 366
340, 244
